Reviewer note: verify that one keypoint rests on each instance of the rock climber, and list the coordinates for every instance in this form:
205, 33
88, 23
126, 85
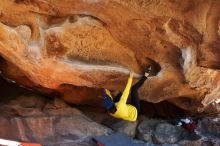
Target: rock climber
118, 107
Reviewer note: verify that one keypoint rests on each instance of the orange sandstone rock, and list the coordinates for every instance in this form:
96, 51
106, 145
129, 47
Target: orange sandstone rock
93, 44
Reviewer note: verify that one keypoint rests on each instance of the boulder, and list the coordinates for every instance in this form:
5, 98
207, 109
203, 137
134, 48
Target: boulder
146, 128
198, 142
209, 130
121, 126
48, 45
49, 122
209, 126
167, 133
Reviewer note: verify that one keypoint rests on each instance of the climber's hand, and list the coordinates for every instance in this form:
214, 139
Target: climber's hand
149, 71
146, 74
131, 74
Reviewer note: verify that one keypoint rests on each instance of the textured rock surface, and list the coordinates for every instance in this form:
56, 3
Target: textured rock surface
53, 122
156, 131
61, 45
146, 129
160, 132
209, 129
121, 126
34, 119
167, 133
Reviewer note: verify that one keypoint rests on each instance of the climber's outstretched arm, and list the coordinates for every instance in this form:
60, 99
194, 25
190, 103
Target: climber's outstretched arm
126, 91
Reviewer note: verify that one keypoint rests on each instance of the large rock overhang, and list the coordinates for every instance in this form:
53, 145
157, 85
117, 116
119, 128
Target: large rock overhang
96, 43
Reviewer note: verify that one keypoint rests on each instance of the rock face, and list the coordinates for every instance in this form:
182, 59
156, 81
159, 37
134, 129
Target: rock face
167, 133
121, 126
210, 127
71, 46
160, 132
34, 119
146, 129
164, 132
